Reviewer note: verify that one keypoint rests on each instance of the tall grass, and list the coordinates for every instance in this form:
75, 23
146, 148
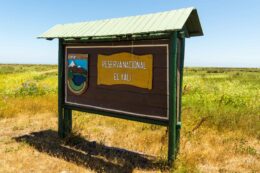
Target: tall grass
27, 89
229, 99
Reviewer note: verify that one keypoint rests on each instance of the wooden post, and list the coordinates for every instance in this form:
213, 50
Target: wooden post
67, 121
182, 54
61, 125
172, 98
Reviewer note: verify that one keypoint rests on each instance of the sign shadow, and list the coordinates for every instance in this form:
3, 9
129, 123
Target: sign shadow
90, 154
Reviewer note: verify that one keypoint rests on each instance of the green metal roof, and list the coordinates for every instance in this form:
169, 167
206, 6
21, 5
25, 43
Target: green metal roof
161, 22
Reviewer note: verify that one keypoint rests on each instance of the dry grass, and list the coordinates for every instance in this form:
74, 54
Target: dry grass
211, 151
14, 106
30, 144
20, 156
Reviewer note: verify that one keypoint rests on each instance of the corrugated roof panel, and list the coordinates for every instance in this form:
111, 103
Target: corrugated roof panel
140, 23
149, 24
121, 28
86, 27
93, 28
135, 27
157, 22
157, 25
98, 27
109, 28
172, 20
164, 19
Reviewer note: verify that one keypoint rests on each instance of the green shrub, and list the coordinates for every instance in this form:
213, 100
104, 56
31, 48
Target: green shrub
6, 69
31, 88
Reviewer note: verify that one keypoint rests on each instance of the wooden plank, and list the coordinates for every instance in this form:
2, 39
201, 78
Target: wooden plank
118, 115
102, 95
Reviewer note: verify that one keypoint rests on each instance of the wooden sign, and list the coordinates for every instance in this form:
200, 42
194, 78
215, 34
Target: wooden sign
127, 78
125, 68
128, 72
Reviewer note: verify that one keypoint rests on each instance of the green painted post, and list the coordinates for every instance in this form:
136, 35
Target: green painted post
182, 68
172, 98
60, 89
182, 54
67, 121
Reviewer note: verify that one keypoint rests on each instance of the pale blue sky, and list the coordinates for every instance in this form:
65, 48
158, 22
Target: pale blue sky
231, 28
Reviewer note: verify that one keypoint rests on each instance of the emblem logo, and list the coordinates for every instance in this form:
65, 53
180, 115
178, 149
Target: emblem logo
77, 77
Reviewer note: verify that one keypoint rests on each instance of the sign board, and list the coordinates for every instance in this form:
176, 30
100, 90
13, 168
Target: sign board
126, 69
129, 78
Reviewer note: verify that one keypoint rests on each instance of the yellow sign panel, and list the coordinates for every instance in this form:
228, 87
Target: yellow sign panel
125, 68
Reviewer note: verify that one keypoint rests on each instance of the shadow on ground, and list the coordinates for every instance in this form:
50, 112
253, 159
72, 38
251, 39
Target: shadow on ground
92, 155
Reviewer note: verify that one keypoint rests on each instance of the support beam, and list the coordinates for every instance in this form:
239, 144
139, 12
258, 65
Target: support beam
182, 55
67, 121
172, 98
118, 115
61, 125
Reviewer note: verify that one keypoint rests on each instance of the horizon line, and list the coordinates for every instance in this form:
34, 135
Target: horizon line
184, 66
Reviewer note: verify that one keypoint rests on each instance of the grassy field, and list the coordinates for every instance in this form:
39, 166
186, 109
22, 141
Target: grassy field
220, 127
